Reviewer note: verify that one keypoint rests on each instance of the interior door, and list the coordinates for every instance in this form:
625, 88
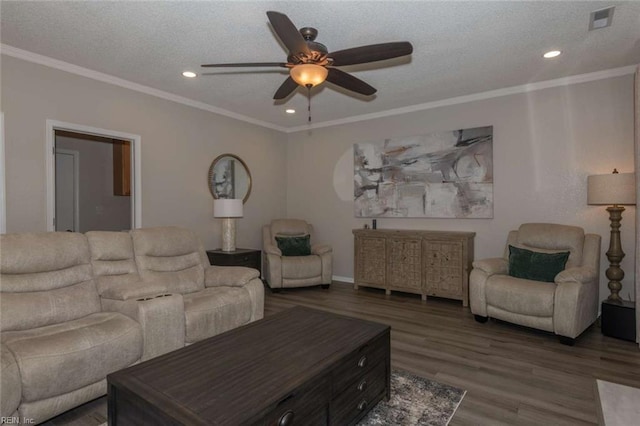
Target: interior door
67, 190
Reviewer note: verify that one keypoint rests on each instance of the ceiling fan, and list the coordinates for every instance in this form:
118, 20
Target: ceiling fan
310, 63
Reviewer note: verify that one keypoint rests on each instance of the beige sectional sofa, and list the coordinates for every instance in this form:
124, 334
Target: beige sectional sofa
74, 308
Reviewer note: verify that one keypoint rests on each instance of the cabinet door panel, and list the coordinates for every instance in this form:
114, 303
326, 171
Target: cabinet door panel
370, 261
404, 263
443, 264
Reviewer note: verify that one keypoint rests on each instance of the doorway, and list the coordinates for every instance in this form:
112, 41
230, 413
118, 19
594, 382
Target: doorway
93, 179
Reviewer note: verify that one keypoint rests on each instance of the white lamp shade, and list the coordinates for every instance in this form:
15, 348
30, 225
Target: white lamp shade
614, 188
227, 207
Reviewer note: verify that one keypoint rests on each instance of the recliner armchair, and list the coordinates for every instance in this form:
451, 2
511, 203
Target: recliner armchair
566, 307
294, 271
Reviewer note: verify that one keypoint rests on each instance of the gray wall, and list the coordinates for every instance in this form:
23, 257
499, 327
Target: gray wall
178, 145
546, 143
99, 209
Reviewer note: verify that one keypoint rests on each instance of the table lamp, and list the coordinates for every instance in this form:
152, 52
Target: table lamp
615, 189
228, 209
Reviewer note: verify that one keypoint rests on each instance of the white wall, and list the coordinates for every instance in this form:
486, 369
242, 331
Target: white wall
546, 143
178, 145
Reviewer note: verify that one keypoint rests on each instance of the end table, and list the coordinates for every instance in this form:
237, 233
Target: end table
250, 258
618, 319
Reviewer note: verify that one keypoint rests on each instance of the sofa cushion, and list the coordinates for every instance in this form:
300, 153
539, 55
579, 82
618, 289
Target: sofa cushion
112, 260
521, 296
215, 310
60, 358
25, 310
534, 265
46, 279
298, 267
550, 236
294, 246
171, 255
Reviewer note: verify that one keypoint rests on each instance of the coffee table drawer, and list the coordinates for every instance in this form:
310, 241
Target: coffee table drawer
361, 395
301, 406
357, 363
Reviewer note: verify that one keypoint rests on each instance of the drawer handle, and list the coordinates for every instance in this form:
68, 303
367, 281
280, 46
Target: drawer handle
363, 404
362, 362
286, 419
362, 385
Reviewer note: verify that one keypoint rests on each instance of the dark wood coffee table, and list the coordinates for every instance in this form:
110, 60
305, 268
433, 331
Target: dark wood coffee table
301, 366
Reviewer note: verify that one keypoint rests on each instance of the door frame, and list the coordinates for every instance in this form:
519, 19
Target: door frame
136, 166
76, 185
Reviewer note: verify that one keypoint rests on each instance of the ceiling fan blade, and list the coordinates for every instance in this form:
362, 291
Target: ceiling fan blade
285, 89
247, 64
349, 82
371, 53
288, 33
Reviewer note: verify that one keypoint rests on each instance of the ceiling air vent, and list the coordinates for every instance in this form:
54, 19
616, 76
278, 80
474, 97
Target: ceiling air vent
601, 18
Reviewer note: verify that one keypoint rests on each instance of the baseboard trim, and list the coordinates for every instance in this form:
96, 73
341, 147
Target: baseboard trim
342, 279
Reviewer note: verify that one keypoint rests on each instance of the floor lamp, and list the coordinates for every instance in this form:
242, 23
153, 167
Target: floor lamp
615, 189
228, 209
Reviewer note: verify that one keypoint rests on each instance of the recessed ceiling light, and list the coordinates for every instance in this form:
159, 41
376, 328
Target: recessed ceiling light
189, 74
290, 111
552, 54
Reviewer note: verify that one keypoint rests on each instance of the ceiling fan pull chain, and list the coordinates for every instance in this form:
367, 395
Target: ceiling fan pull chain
309, 100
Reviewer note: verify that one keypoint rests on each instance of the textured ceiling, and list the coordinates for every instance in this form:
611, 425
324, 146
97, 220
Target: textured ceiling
460, 48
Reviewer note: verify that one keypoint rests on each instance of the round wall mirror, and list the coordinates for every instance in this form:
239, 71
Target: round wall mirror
229, 177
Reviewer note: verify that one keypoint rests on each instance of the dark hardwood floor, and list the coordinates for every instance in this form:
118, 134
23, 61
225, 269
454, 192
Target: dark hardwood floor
512, 375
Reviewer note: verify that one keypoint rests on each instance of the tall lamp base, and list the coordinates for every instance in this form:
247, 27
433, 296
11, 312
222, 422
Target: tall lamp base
228, 234
614, 273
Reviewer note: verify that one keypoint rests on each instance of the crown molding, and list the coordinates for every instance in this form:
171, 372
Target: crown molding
540, 85
106, 78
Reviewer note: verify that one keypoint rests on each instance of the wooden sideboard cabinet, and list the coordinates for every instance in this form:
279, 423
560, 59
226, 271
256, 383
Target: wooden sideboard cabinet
429, 263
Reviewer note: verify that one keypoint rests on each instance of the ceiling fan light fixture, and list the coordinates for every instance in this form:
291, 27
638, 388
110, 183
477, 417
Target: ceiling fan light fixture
189, 74
308, 74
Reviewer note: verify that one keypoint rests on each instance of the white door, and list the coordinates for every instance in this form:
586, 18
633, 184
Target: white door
67, 202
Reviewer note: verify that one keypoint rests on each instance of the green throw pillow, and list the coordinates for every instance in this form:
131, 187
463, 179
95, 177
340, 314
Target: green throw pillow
533, 265
295, 246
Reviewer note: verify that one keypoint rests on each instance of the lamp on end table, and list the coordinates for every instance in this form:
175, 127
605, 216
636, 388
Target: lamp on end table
615, 189
228, 209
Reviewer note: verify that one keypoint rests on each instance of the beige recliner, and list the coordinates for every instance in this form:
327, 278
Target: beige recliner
565, 307
294, 271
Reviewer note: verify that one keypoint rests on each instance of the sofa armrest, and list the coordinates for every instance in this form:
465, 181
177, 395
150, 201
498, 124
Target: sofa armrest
581, 274
271, 249
163, 324
161, 318
137, 290
272, 268
492, 266
576, 301
10, 383
230, 276
321, 249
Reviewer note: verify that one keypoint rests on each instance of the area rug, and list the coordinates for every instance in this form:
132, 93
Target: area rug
415, 401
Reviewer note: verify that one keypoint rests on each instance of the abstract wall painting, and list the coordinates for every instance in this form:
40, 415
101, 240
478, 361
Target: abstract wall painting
439, 175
